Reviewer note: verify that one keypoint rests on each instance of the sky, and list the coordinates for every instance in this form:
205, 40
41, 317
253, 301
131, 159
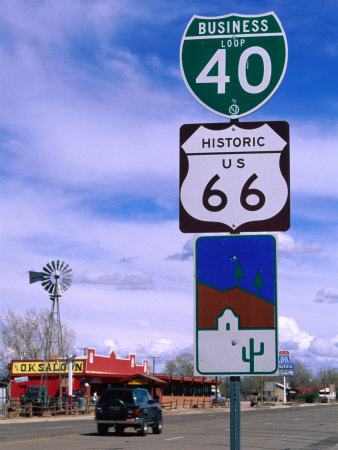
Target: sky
92, 100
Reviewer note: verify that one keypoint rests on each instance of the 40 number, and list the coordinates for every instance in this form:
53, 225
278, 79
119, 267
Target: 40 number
221, 79
247, 191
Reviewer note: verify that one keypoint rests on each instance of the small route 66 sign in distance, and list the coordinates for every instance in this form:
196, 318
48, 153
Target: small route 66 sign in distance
234, 177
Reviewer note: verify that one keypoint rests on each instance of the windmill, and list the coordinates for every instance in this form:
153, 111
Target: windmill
55, 278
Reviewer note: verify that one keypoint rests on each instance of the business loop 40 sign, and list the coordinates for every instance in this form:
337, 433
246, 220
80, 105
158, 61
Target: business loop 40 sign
233, 64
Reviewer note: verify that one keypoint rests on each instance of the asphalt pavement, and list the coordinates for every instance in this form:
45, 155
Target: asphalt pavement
282, 427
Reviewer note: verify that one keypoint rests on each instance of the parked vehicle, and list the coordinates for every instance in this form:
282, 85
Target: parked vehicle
126, 407
32, 395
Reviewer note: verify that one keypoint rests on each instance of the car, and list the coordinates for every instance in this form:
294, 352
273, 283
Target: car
128, 407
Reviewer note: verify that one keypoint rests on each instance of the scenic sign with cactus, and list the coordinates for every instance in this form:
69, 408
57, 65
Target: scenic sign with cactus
236, 305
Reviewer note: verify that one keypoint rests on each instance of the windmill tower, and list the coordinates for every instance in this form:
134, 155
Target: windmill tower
55, 278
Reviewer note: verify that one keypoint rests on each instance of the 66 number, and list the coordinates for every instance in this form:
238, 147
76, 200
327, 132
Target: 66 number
223, 200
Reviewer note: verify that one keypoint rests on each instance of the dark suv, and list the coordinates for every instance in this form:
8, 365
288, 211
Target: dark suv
125, 407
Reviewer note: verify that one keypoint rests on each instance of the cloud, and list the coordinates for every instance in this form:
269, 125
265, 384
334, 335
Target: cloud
324, 347
129, 260
314, 351
289, 332
162, 349
327, 295
121, 280
187, 252
306, 140
288, 246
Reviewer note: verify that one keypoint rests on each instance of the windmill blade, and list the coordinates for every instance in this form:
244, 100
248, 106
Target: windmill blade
46, 282
62, 264
67, 275
35, 276
53, 264
67, 279
58, 264
50, 267
47, 269
47, 285
51, 288
65, 272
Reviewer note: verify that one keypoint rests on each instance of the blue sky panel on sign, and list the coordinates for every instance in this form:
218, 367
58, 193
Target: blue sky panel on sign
218, 257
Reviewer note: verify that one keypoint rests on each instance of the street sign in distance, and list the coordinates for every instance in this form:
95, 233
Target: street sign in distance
286, 373
287, 366
236, 305
283, 358
233, 64
234, 177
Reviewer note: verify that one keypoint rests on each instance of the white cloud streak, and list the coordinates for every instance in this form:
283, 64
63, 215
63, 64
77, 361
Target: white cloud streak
121, 280
288, 246
327, 295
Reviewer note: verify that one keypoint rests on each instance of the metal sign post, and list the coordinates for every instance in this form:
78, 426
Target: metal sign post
235, 413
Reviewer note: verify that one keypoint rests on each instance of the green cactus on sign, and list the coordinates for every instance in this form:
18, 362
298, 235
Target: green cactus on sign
252, 354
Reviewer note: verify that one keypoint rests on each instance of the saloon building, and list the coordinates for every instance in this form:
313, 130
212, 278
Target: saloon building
93, 373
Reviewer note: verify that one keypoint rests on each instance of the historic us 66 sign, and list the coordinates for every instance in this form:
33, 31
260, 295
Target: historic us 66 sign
233, 64
234, 177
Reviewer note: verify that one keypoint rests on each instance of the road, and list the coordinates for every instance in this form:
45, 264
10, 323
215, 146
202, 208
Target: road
313, 427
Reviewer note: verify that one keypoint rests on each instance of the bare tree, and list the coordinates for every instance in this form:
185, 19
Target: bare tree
301, 376
328, 376
182, 365
24, 336
170, 368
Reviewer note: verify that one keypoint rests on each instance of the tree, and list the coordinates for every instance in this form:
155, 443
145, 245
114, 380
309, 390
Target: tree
238, 273
182, 365
258, 282
301, 375
24, 336
328, 376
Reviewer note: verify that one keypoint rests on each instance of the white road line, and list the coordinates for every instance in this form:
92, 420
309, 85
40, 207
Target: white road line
268, 423
171, 439
296, 419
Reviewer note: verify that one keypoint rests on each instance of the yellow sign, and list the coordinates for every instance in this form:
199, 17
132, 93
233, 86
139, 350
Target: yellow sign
31, 367
138, 382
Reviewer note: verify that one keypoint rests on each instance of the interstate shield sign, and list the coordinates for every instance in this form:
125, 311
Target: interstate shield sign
233, 64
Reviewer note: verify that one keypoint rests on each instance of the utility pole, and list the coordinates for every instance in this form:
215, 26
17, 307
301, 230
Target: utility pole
85, 349
153, 358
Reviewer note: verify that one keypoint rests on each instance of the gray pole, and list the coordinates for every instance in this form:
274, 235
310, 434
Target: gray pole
154, 357
235, 413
